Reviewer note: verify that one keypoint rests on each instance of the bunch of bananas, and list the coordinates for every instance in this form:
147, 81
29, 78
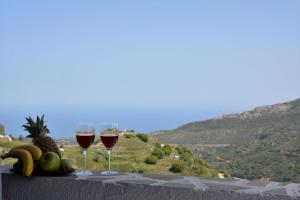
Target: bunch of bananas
27, 154
32, 160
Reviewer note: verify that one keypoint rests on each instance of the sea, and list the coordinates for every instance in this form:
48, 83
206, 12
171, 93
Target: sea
62, 121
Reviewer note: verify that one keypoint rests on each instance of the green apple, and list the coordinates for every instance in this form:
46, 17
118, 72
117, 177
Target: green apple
65, 164
49, 161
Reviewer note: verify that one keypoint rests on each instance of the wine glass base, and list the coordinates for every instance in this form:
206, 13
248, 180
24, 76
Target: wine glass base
109, 173
84, 173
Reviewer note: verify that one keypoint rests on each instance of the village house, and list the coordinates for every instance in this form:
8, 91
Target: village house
5, 138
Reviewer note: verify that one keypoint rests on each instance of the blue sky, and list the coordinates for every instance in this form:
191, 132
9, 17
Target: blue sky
149, 53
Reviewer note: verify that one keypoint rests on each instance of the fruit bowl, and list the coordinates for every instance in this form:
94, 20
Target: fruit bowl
44, 173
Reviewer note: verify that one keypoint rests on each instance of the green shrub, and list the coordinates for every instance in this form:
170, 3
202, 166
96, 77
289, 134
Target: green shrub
176, 167
183, 150
151, 160
140, 171
200, 169
186, 157
167, 149
143, 137
128, 136
157, 145
158, 153
179, 149
187, 151
198, 161
97, 158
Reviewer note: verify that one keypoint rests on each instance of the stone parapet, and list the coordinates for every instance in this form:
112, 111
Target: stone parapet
130, 186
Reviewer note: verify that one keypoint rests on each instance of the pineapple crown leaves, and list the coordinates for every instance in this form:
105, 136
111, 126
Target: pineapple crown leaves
36, 129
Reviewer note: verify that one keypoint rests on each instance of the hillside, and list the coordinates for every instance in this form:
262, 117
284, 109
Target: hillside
264, 141
263, 122
129, 155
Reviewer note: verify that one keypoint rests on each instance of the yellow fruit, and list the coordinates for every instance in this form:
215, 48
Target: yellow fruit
35, 151
26, 158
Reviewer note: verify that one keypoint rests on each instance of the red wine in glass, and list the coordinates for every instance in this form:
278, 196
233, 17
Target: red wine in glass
85, 140
109, 141
85, 135
109, 136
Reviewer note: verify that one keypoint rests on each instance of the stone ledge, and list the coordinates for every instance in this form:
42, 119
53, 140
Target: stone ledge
142, 187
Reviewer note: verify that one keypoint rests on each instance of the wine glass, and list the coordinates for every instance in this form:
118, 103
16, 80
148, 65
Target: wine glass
109, 136
85, 135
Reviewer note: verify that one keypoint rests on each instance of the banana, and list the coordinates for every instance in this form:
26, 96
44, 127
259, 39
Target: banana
26, 158
35, 151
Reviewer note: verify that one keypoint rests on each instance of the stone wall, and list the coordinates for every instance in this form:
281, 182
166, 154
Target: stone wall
129, 186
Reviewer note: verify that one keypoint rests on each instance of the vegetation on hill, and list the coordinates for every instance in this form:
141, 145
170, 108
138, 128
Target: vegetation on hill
143, 137
264, 142
254, 161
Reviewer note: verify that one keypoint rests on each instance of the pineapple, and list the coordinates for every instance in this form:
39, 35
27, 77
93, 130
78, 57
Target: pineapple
38, 131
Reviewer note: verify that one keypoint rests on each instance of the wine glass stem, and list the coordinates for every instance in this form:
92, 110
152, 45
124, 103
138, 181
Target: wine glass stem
84, 153
109, 155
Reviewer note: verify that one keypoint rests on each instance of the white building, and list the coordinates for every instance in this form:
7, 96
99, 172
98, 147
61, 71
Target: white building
5, 138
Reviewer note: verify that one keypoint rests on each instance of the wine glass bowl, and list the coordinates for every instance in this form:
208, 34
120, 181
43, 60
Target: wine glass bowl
109, 136
109, 139
85, 140
85, 135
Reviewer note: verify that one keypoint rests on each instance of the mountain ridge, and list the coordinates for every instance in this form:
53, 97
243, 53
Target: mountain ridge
238, 128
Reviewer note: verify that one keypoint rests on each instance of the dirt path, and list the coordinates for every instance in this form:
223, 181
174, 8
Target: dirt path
222, 159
